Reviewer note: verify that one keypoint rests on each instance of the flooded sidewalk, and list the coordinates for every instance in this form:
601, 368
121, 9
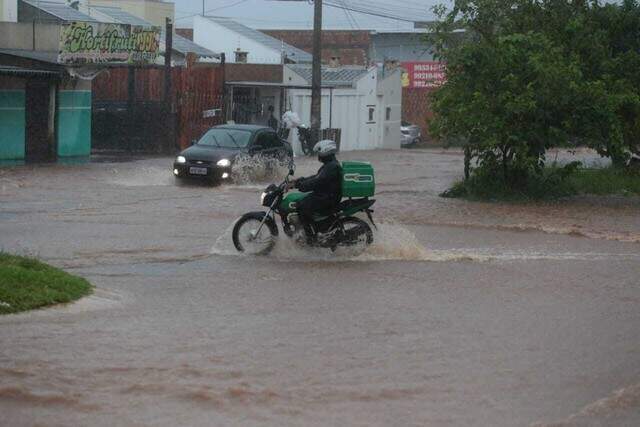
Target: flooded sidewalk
461, 313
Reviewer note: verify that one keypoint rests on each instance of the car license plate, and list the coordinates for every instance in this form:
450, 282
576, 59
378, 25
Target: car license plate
197, 171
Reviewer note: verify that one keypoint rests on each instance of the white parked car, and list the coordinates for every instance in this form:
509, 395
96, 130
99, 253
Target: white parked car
411, 134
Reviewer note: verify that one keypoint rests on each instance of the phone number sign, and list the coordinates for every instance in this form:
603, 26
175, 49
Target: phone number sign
427, 74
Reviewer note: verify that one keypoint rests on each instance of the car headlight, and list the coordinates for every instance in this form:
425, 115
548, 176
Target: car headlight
262, 196
181, 159
223, 163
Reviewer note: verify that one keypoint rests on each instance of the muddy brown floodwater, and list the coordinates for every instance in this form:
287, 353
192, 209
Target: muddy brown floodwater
461, 313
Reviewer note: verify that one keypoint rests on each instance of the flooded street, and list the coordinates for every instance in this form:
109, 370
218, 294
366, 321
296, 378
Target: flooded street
461, 313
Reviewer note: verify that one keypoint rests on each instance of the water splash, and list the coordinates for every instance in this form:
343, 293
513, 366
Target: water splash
395, 242
251, 169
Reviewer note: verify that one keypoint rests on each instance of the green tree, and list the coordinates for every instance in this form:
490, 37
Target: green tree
527, 75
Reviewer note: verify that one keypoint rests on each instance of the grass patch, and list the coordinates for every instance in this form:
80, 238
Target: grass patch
554, 182
605, 181
26, 283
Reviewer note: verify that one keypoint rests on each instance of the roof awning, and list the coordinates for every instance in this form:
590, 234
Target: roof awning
50, 57
26, 72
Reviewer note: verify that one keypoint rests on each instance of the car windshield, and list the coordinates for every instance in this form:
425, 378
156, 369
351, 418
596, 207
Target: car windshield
226, 138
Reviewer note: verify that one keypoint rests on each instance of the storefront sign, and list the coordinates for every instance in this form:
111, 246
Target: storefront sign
88, 43
429, 74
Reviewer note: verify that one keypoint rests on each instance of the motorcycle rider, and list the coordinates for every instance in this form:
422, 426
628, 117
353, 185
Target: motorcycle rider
325, 186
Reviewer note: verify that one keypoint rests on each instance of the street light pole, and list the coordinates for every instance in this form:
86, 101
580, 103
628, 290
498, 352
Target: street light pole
316, 79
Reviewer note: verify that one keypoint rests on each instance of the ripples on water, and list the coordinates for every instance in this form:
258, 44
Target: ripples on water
395, 242
623, 403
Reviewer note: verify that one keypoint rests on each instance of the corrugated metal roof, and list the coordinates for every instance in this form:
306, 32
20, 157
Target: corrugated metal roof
20, 71
120, 16
184, 46
38, 55
293, 53
59, 10
342, 76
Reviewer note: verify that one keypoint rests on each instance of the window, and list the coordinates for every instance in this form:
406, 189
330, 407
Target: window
268, 140
226, 138
372, 114
388, 114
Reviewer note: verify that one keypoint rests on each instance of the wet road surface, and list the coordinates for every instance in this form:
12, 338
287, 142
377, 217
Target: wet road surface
462, 313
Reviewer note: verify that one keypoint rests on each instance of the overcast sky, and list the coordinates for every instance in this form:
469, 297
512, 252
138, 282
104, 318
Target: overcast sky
273, 14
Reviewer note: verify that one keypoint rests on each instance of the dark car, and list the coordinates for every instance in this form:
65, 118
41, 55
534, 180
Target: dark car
212, 157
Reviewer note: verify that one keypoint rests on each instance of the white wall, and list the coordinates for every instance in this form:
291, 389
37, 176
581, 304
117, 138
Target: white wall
390, 96
217, 38
351, 110
8, 10
367, 87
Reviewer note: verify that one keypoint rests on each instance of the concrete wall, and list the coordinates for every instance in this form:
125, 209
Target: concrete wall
399, 46
219, 39
268, 73
8, 10
21, 36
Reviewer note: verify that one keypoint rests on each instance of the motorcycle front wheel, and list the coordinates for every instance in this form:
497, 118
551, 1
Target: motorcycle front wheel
246, 237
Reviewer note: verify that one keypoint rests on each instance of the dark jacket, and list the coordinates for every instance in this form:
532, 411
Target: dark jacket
326, 184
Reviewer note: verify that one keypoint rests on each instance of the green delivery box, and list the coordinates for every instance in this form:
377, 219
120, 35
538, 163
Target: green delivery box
358, 179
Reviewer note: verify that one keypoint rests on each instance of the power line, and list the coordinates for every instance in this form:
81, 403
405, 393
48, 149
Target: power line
214, 9
378, 11
371, 13
349, 17
386, 7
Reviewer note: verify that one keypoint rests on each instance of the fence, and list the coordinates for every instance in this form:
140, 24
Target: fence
130, 112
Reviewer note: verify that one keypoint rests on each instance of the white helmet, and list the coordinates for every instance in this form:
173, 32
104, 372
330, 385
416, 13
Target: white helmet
325, 148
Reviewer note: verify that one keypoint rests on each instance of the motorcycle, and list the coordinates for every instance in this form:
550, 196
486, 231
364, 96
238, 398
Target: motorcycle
255, 233
306, 140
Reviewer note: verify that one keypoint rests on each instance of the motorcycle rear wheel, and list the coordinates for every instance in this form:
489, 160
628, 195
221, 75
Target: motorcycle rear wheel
356, 238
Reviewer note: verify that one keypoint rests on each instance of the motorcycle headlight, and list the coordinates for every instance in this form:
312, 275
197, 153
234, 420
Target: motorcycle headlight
262, 196
181, 159
223, 163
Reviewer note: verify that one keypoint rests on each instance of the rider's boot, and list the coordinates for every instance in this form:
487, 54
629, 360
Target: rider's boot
309, 233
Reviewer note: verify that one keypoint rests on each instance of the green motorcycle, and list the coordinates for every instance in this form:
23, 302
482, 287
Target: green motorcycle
256, 232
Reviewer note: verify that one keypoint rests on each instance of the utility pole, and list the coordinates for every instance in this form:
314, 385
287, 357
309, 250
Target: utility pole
316, 79
168, 47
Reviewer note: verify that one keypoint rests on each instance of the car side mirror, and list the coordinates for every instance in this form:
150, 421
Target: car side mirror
194, 142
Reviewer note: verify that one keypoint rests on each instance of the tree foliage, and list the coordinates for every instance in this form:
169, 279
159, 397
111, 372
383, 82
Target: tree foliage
527, 75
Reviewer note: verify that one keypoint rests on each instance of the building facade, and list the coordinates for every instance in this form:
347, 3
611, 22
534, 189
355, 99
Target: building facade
362, 102
242, 44
347, 47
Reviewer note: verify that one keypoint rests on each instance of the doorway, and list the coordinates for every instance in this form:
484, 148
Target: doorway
39, 136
